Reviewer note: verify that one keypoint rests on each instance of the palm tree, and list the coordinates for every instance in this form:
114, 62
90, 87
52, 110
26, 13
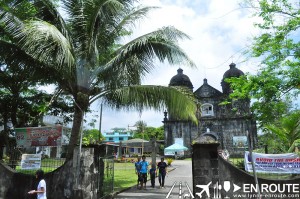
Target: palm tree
140, 126
84, 50
287, 130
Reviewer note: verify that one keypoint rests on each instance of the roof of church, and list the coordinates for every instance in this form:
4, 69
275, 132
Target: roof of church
181, 80
233, 72
207, 91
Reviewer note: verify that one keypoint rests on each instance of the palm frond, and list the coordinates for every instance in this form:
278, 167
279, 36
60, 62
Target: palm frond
13, 55
49, 12
138, 56
158, 98
130, 19
100, 18
44, 42
278, 132
72, 8
161, 44
75, 18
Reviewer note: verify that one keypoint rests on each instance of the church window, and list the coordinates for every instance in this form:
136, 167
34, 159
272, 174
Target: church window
207, 110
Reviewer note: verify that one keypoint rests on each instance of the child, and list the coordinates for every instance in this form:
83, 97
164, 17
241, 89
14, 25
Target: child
152, 173
41, 188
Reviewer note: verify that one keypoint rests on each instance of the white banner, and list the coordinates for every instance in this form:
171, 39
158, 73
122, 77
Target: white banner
31, 161
273, 163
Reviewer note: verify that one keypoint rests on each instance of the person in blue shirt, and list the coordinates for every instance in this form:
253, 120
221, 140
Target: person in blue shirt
137, 171
143, 171
152, 173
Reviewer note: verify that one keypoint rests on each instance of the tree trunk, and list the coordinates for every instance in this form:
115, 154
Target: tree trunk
78, 117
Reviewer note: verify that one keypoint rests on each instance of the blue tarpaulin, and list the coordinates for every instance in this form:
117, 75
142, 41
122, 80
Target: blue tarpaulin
170, 150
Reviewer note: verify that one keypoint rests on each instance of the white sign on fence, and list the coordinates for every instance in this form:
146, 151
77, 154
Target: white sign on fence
31, 161
273, 163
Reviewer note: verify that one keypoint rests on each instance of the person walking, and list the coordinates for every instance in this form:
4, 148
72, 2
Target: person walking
152, 173
162, 171
41, 188
137, 171
143, 171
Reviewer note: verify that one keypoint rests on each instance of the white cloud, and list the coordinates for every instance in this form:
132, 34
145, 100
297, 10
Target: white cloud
220, 31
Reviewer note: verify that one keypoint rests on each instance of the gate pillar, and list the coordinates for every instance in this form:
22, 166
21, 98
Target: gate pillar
205, 169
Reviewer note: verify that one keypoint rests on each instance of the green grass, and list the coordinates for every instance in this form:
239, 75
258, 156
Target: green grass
124, 176
124, 166
124, 179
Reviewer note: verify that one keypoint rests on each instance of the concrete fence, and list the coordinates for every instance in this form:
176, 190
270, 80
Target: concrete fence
68, 181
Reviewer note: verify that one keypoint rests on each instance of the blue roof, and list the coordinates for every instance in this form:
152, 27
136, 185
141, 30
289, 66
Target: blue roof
175, 147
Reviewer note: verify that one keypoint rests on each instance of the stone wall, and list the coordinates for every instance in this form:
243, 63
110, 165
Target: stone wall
63, 183
177, 129
15, 185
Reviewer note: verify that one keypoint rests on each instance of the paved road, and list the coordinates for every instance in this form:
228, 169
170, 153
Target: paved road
181, 174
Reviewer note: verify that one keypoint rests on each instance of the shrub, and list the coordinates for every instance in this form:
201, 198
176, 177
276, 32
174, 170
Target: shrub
6, 159
169, 161
240, 164
134, 155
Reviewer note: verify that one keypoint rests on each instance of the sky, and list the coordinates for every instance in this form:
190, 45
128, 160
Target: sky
220, 32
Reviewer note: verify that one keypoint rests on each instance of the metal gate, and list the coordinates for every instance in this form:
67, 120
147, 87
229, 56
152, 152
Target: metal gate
106, 182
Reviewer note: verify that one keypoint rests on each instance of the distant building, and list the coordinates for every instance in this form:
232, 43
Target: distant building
118, 135
226, 124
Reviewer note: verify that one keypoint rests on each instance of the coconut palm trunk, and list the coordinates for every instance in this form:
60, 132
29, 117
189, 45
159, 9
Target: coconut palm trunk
75, 133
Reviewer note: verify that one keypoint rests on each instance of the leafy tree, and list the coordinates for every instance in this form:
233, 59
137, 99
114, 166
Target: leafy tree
92, 136
268, 103
278, 80
21, 102
22, 9
150, 132
84, 49
158, 132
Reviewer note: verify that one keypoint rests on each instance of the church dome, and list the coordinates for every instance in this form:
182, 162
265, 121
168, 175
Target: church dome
232, 72
181, 80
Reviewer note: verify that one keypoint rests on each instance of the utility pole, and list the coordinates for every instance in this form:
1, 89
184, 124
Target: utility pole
250, 144
100, 122
153, 155
143, 141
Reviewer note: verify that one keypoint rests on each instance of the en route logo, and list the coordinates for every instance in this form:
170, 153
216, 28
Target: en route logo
205, 190
247, 190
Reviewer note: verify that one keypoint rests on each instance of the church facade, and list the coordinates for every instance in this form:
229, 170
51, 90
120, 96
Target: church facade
229, 124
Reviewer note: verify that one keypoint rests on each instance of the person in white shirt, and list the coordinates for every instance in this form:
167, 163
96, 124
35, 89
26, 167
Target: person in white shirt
41, 188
